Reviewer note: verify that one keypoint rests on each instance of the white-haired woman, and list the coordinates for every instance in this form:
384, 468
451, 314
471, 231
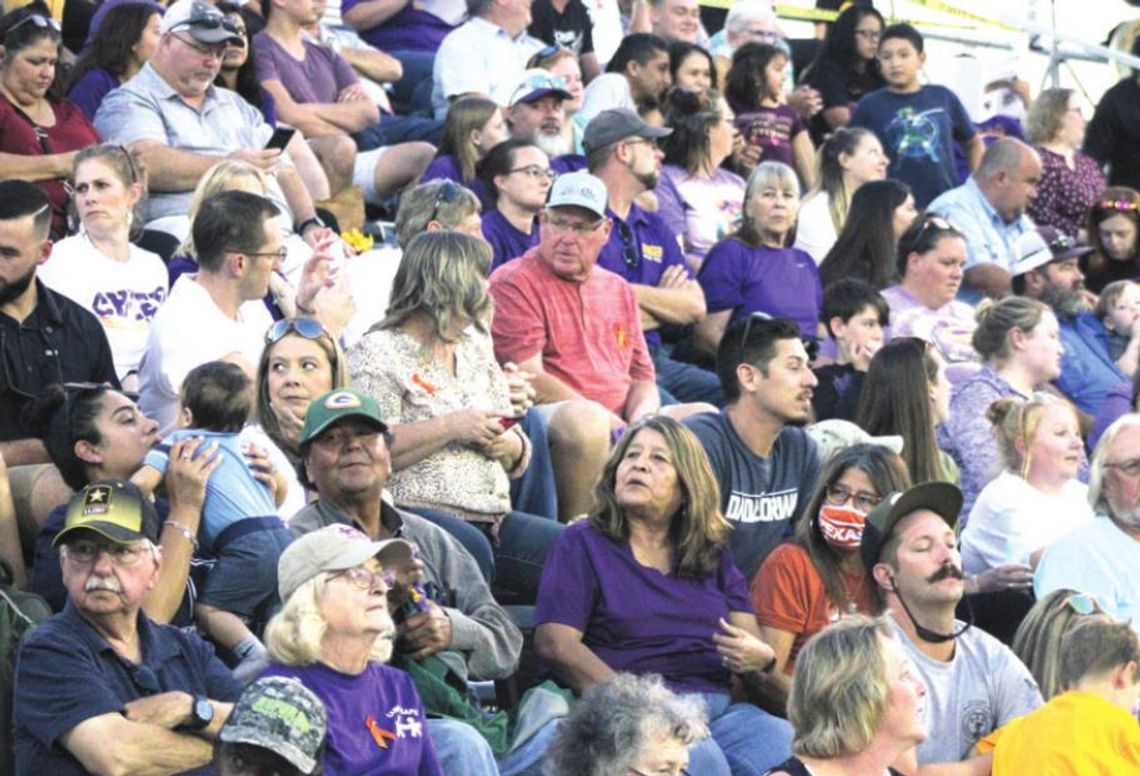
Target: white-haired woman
753, 270
334, 635
856, 701
627, 725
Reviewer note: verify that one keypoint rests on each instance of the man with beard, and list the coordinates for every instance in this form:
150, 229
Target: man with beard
760, 455
622, 152
100, 687
345, 459
45, 337
536, 113
975, 684
1102, 557
1047, 270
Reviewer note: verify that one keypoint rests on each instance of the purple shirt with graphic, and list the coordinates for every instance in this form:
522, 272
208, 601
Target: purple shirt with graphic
652, 248
772, 131
782, 282
376, 720
635, 618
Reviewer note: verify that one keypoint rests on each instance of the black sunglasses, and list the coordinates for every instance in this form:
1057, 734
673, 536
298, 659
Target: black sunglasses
309, 328
448, 193
810, 341
630, 251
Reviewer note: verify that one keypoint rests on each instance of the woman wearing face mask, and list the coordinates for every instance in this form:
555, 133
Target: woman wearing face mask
811, 581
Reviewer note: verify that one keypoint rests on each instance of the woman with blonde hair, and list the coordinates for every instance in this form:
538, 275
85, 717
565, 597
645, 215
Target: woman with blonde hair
474, 126
334, 634
647, 584
430, 366
857, 701
1037, 498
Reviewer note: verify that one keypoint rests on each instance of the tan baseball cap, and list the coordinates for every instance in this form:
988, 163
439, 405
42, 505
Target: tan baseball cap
334, 548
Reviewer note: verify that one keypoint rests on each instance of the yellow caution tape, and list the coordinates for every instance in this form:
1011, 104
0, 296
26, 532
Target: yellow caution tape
961, 13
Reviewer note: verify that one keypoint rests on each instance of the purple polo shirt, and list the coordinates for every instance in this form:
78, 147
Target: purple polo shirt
506, 241
782, 282
407, 30
656, 248
637, 619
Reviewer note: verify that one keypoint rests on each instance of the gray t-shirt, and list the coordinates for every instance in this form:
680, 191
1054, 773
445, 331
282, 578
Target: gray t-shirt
980, 689
761, 497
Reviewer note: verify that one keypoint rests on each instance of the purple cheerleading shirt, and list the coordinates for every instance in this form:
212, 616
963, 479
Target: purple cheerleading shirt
635, 618
506, 241
655, 246
783, 282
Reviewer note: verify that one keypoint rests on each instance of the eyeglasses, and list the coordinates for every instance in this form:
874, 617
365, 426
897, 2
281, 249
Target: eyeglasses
544, 53
309, 328
1130, 468
630, 249
1081, 603
364, 579
1062, 243
41, 21
810, 342
210, 20
871, 35
534, 171
837, 495
580, 228
281, 253
448, 193
206, 51
85, 551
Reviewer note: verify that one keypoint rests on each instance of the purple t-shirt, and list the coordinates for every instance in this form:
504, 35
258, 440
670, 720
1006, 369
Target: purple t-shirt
506, 241
89, 91
446, 167
772, 130
376, 721
409, 29
782, 282
319, 77
651, 249
635, 618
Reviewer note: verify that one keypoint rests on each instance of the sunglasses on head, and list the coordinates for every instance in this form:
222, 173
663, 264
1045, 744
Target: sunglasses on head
41, 21
1081, 603
810, 342
309, 328
448, 193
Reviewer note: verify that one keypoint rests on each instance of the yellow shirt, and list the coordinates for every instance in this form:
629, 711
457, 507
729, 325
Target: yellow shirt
1074, 734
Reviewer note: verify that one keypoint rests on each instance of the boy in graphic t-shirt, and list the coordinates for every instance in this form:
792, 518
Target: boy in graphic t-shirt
917, 124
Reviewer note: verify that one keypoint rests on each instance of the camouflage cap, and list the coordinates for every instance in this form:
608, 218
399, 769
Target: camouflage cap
280, 714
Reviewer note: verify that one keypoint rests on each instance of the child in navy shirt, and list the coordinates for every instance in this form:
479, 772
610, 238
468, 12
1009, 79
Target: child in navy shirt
239, 527
916, 124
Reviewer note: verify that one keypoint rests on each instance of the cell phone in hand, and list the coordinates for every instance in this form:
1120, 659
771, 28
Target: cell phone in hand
281, 137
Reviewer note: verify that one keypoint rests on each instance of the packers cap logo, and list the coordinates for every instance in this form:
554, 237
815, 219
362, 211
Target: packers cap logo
97, 500
343, 400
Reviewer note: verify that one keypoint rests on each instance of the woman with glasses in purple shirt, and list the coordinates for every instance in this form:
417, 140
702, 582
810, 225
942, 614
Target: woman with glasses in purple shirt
516, 177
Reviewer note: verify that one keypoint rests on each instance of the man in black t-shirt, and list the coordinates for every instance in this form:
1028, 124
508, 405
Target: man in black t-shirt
1113, 136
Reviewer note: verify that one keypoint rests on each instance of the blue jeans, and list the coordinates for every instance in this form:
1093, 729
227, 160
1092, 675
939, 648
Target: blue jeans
514, 567
535, 491
679, 382
463, 752
745, 739
412, 93
391, 130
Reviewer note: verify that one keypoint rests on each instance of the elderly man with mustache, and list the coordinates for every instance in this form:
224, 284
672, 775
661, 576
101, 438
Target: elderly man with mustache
975, 683
100, 688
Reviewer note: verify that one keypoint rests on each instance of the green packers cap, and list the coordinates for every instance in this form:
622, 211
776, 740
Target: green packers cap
336, 405
942, 498
280, 714
111, 508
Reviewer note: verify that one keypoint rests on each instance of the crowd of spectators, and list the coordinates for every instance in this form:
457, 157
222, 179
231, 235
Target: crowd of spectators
547, 387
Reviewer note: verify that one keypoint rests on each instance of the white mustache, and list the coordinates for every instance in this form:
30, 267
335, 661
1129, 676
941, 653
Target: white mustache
109, 584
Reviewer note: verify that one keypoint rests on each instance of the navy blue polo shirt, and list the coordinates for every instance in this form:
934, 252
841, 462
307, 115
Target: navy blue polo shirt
640, 249
506, 241
67, 673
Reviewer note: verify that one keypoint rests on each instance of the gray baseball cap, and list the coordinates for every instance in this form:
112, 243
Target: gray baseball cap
203, 21
616, 124
335, 547
281, 715
579, 189
941, 498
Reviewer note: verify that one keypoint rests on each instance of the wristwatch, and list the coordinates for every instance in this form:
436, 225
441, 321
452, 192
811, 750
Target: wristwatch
201, 713
311, 221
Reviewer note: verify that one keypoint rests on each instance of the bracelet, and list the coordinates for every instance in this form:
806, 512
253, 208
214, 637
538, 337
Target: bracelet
189, 535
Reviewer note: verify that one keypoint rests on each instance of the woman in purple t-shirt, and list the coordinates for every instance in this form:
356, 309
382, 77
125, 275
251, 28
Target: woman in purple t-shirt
647, 585
752, 270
